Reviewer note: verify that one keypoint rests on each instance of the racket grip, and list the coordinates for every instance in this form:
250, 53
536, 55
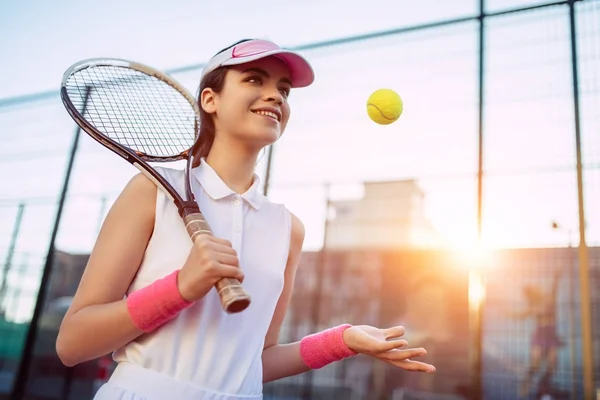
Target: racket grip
233, 296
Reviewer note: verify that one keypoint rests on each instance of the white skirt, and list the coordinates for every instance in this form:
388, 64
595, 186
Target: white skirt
132, 382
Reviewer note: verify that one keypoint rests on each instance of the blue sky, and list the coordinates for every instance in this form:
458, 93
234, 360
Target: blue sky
40, 39
529, 137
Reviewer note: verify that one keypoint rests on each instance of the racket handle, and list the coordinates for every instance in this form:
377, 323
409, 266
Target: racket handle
233, 296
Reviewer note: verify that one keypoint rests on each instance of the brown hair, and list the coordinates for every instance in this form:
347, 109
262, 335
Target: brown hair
214, 80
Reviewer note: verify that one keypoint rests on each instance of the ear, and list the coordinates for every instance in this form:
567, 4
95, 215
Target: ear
208, 100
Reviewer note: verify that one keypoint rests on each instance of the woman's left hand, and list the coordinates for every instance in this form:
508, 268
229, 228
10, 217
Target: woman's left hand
386, 345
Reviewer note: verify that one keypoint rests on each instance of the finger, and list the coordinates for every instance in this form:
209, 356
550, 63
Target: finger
206, 243
226, 271
220, 241
394, 332
403, 354
228, 259
411, 365
388, 345
222, 248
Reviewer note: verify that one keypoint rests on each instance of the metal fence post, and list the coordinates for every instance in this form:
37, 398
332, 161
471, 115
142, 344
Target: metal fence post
584, 267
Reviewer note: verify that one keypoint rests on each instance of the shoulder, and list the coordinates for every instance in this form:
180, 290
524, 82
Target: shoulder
134, 207
297, 233
140, 186
297, 230
137, 199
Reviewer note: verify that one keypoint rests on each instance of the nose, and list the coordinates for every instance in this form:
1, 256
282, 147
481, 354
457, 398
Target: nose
273, 95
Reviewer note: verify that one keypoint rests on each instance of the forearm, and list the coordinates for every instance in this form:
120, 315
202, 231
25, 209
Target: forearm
312, 352
94, 331
281, 361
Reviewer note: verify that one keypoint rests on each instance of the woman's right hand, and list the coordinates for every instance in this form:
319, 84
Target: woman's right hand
210, 260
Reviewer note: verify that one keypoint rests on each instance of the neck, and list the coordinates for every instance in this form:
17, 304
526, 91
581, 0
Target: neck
234, 164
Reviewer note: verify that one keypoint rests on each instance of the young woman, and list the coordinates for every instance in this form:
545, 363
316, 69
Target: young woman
147, 292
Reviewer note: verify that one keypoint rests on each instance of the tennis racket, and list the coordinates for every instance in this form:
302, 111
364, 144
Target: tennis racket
144, 115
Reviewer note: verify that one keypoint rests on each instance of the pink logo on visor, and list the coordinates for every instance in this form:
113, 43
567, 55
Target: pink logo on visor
253, 47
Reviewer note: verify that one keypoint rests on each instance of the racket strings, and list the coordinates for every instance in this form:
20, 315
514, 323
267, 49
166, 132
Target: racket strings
137, 110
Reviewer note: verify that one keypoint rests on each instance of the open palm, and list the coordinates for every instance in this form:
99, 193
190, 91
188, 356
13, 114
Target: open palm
386, 345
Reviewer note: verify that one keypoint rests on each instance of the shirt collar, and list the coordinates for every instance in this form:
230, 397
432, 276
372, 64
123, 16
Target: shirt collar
217, 189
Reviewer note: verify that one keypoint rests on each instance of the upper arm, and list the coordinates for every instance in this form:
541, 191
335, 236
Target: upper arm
120, 246
296, 241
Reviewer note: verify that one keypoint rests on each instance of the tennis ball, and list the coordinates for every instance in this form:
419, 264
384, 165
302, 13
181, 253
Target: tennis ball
384, 106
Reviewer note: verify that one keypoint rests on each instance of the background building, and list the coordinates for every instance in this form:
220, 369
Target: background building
390, 215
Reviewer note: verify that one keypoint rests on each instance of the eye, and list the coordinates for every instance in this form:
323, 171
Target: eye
285, 91
254, 79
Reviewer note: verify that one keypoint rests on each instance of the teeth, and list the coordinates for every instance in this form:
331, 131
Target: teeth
267, 114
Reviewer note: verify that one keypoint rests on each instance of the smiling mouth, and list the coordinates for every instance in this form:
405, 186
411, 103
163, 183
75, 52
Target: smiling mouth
269, 114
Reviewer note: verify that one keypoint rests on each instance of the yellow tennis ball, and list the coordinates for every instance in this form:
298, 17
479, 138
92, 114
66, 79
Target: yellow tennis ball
384, 106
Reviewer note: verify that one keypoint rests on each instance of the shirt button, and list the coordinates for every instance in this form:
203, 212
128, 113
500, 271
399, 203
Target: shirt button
237, 202
238, 229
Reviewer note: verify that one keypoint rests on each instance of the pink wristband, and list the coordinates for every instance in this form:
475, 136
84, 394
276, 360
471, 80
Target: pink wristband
323, 348
157, 303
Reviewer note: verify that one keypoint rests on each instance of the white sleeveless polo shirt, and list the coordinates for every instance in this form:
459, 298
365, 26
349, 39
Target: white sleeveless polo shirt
207, 353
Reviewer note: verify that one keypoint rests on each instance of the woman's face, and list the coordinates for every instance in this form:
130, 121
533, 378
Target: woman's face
253, 105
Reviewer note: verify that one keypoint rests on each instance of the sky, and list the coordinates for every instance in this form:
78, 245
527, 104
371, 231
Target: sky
529, 143
52, 35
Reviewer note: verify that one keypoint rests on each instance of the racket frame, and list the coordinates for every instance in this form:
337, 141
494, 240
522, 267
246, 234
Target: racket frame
138, 159
233, 297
